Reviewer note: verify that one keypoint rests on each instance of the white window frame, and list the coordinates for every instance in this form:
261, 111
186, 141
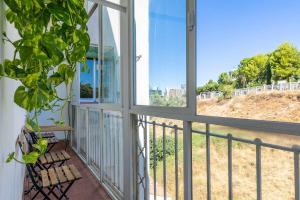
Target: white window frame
190, 107
188, 114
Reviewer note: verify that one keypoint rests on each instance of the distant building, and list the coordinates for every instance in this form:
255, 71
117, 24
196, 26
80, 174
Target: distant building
155, 91
173, 92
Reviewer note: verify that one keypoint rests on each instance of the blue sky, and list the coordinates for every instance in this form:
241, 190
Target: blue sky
228, 31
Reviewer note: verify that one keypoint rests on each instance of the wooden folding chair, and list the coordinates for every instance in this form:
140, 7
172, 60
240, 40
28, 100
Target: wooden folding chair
57, 158
48, 135
60, 178
54, 158
52, 141
46, 181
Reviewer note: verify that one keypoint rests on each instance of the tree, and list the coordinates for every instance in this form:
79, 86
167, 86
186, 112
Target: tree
252, 71
156, 99
285, 62
86, 90
227, 91
208, 87
225, 79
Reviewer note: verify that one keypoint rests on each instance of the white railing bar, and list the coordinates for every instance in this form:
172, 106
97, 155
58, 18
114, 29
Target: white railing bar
258, 170
208, 169
154, 158
230, 189
296, 172
187, 164
237, 139
146, 193
274, 146
164, 161
176, 162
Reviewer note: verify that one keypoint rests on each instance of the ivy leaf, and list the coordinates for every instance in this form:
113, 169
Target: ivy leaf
21, 98
60, 13
31, 79
10, 16
84, 67
55, 79
10, 157
1, 70
31, 125
52, 50
41, 145
75, 2
13, 5
31, 158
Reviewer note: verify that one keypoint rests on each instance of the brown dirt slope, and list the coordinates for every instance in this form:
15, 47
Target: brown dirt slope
275, 106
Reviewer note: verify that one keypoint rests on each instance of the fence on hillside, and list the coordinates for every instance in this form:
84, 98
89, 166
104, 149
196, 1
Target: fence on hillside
244, 91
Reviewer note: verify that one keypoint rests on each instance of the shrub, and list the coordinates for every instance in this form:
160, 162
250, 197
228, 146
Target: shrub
170, 149
227, 91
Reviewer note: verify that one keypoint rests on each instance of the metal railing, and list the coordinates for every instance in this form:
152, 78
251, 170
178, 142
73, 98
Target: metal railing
98, 141
160, 157
252, 90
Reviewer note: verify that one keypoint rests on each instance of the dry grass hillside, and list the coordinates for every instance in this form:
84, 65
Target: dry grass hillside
277, 166
278, 106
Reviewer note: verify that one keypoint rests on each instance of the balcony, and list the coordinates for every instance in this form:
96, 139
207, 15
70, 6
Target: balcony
217, 160
169, 108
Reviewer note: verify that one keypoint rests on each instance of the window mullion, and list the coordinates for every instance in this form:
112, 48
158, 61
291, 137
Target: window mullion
191, 57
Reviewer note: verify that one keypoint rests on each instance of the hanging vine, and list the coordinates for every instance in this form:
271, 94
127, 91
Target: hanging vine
53, 39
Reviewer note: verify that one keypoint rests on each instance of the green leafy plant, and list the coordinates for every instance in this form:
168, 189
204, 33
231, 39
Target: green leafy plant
158, 152
53, 39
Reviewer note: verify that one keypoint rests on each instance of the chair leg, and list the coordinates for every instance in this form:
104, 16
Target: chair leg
40, 190
35, 195
51, 191
66, 190
50, 147
61, 163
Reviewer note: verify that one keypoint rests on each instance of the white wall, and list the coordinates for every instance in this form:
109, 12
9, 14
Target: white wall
11, 121
43, 118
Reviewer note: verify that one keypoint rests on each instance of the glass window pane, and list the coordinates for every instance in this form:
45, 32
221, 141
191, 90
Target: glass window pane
248, 59
112, 138
160, 31
89, 79
87, 82
110, 71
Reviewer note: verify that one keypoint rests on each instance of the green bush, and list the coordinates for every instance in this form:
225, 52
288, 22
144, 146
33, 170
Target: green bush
227, 91
170, 148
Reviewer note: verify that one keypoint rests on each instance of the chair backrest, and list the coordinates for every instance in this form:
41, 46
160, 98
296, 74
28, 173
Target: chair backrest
25, 148
30, 138
23, 142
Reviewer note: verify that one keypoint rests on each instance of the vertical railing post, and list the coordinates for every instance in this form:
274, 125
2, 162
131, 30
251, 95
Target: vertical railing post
164, 161
176, 161
77, 128
146, 167
230, 192
208, 171
258, 169
187, 154
87, 137
154, 159
296, 172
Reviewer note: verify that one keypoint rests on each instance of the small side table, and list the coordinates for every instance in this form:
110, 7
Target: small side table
56, 128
